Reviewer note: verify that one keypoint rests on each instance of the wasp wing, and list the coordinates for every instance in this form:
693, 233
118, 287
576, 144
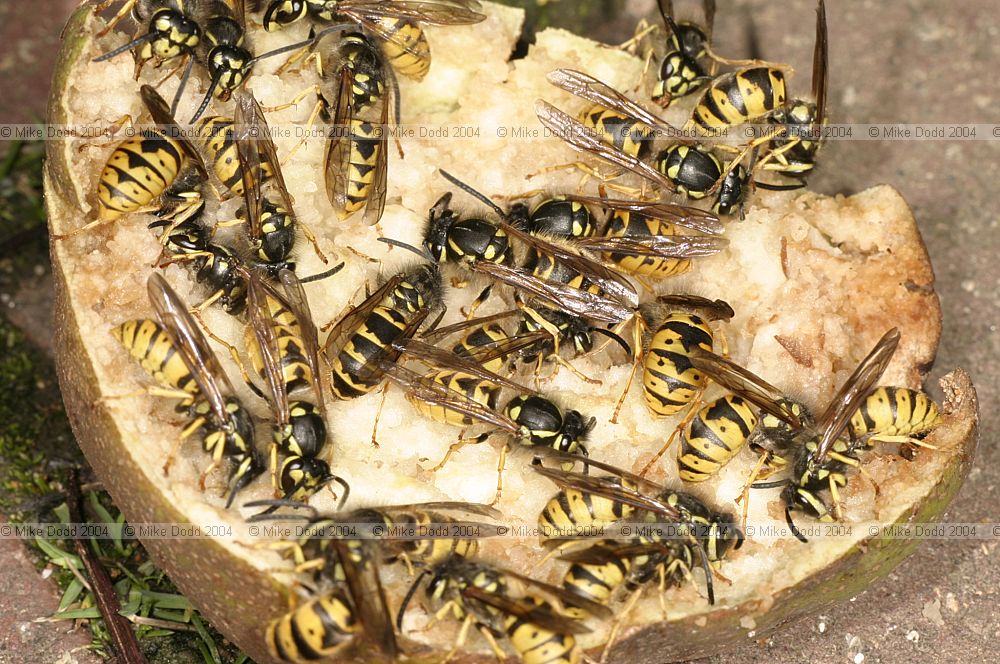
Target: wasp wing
365, 586
541, 615
855, 389
745, 384
260, 297
584, 140
679, 215
192, 345
338, 149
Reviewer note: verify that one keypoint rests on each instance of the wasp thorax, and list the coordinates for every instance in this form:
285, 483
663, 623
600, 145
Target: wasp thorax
305, 433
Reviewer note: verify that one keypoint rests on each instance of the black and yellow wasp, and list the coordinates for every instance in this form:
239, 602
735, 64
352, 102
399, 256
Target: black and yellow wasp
173, 30
758, 91
361, 344
362, 90
587, 500
638, 238
283, 345
820, 456
271, 226
684, 166
792, 153
226, 428
396, 23
681, 70
502, 603
461, 391
344, 552
159, 168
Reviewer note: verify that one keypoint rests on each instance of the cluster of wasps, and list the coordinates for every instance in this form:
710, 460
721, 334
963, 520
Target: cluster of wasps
572, 262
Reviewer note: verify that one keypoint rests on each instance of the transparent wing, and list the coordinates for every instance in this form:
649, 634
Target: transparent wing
298, 304
192, 345
679, 215
338, 150
159, 110
262, 324
745, 384
656, 246
584, 140
365, 586
855, 389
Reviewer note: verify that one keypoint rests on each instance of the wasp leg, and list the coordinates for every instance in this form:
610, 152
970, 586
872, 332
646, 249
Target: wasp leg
501, 464
463, 633
642, 29
744, 497
692, 410
150, 391
313, 241
639, 354
378, 415
560, 361
116, 19
902, 440
184, 435
99, 222
456, 446
478, 302
617, 623
273, 456
233, 351
110, 132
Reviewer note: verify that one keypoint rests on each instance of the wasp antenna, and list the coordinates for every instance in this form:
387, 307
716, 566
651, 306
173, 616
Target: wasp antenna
709, 586
768, 485
406, 600
616, 338
204, 102
472, 192
149, 36
795, 531
347, 490
313, 40
180, 88
408, 247
322, 275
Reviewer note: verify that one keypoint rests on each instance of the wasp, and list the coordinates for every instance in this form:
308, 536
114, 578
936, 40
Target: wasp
542, 330
590, 500
758, 91
284, 349
681, 71
397, 24
348, 610
271, 226
360, 345
666, 551
173, 31
684, 167
820, 457
356, 160
348, 601
227, 429
639, 238
502, 603
462, 392
792, 153
723, 426
894, 415
157, 166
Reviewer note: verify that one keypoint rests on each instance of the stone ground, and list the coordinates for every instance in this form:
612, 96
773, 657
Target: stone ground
909, 61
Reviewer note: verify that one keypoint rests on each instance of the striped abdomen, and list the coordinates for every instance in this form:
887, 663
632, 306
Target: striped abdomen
148, 343
137, 173
571, 510
617, 129
539, 645
669, 381
405, 46
738, 97
351, 376
365, 142
316, 630
715, 435
474, 388
624, 223
894, 411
